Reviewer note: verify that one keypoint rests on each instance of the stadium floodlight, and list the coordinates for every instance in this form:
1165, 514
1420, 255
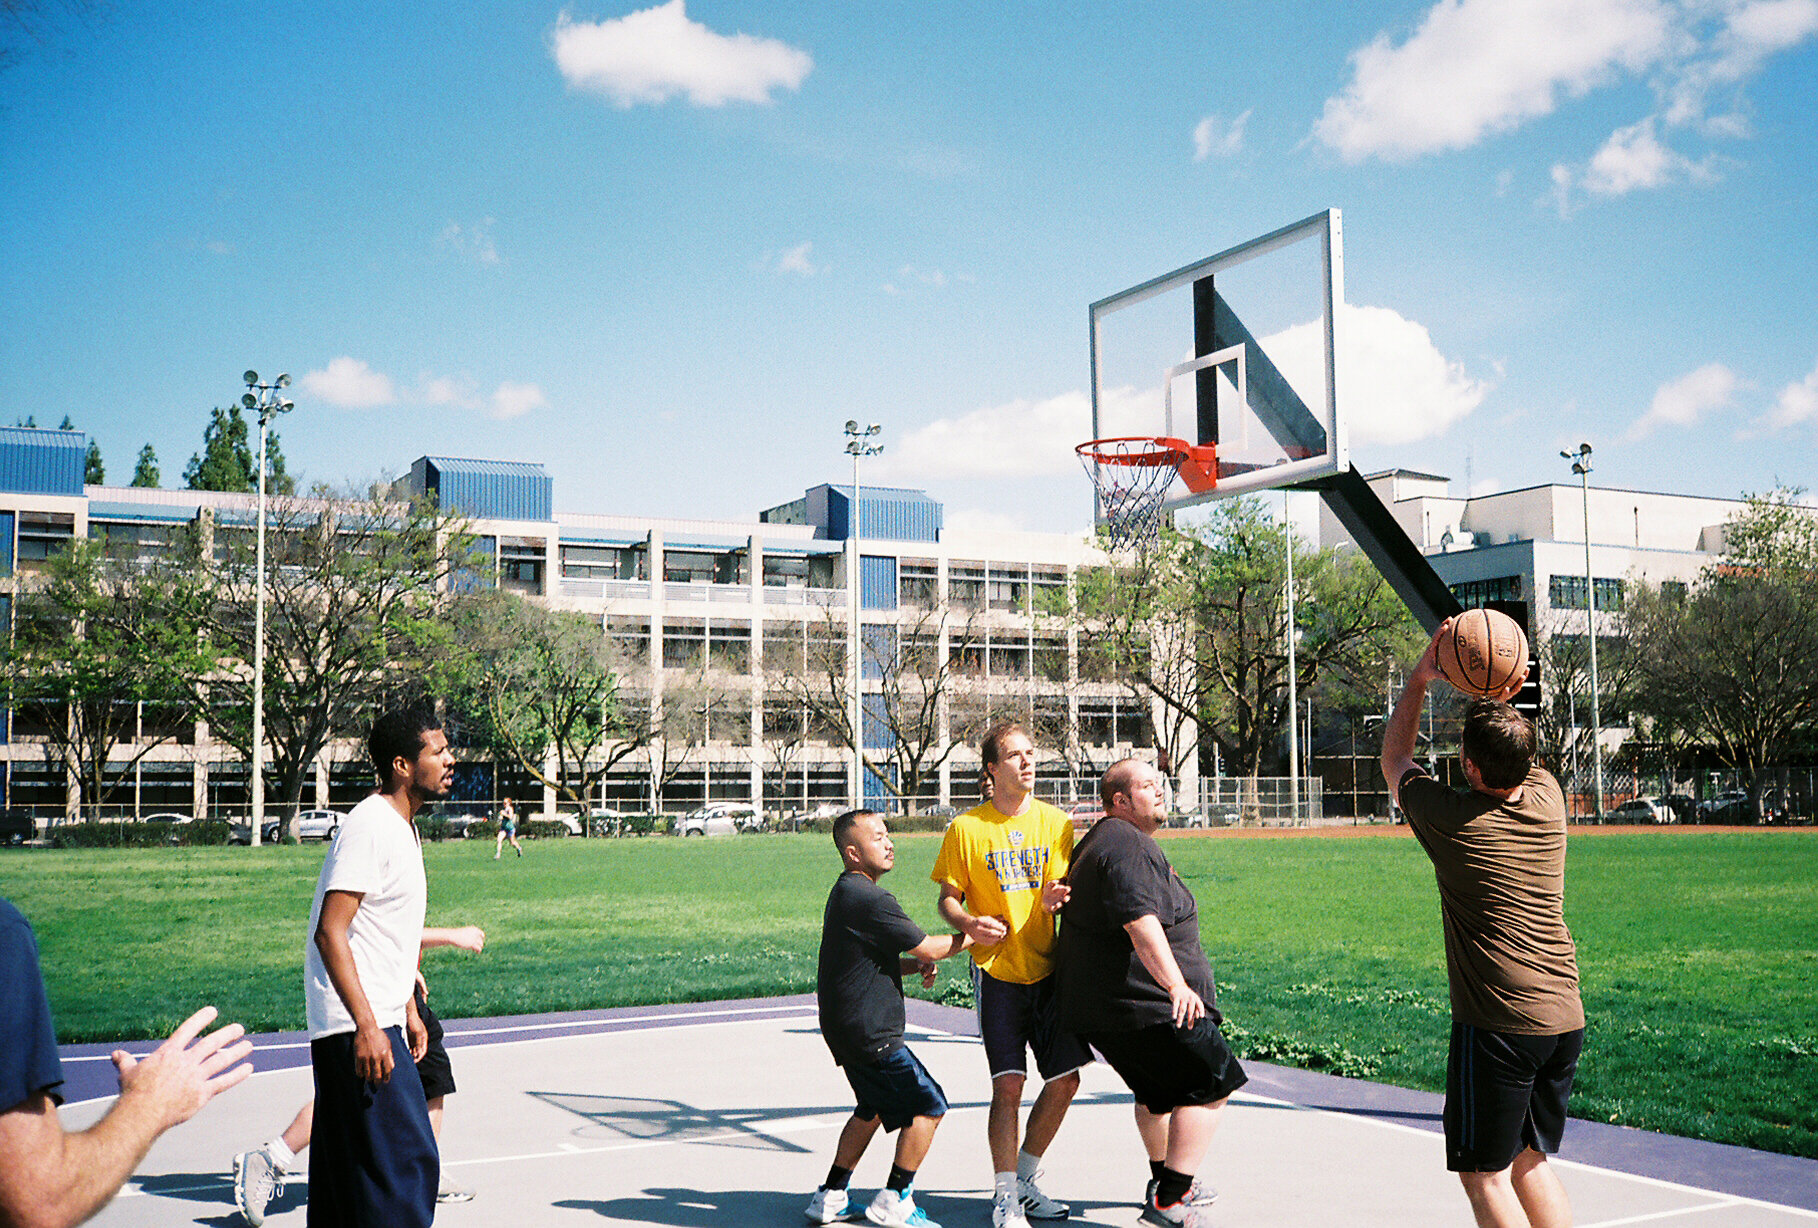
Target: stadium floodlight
264, 399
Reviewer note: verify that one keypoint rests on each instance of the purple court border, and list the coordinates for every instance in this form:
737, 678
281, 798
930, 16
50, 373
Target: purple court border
1788, 1180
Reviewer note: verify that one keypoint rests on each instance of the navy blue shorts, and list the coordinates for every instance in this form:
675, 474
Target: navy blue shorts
372, 1155
1504, 1093
1165, 1067
1013, 1018
896, 1088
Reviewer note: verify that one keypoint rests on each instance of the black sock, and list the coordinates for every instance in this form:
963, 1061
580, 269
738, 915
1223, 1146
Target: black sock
837, 1178
1156, 1169
900, 1178
1171, 1187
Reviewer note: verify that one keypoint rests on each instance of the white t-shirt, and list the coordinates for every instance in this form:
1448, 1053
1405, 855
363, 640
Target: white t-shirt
376, 854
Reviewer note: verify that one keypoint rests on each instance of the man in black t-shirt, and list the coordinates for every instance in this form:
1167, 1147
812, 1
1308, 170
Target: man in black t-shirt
1136, 985
865, 936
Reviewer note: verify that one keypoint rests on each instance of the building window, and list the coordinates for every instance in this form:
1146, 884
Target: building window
918, 584
602, 563
42, 535
1568, 593
1474, 593
785, 571
1673, 591
521, 563
966, 586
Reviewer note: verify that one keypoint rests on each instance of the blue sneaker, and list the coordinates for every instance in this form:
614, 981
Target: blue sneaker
891, 1209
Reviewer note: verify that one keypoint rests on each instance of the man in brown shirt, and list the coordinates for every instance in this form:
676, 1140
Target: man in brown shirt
1498, 852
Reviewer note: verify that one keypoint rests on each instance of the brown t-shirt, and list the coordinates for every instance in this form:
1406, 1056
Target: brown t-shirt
1501, 872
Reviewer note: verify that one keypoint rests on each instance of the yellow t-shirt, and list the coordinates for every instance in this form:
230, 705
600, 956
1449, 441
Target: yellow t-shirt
999, 864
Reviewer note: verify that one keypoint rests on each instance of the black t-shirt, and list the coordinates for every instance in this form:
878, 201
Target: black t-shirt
859, 987
29, 1063
1118, 875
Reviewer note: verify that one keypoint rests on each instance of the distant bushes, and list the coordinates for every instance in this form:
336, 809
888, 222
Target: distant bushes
139, 835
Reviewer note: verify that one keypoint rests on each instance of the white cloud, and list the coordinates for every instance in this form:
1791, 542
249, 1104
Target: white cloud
796, 260
351, 384
1474, 68
448, 390
511, 400
1752, 32
910, 277
1213, 136
1797, 403
1397, 386
657, 54
1015, 440
1687, 399
470, 242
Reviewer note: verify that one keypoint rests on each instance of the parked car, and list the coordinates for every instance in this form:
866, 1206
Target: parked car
606, 821
17, 826
308, 825
1640, 810
1085, 814
1684, 809
707, 821
1732, 806
1215, 814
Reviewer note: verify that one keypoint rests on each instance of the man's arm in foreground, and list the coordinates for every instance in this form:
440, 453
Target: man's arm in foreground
52, 1179
983, 931
372, 1052
1151, 946
1399, 734
467, 937
922, 957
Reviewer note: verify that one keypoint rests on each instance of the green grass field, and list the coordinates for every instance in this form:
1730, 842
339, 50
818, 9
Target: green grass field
1699, 952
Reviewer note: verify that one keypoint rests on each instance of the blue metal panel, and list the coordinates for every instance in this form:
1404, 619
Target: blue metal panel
163, 513
877, 582
42, 462
488, 490
878, 794
873, 727
7, 542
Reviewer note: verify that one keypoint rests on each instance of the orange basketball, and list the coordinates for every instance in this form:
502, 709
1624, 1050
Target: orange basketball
1483, 652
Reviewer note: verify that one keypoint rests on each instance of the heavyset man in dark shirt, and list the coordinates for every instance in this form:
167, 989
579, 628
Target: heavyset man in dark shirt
1136, 985
1498, 852
865, 936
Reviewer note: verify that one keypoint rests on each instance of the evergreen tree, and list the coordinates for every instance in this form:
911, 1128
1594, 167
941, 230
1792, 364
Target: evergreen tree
30, 420
226, 460
145, 473
94, 473
68, 423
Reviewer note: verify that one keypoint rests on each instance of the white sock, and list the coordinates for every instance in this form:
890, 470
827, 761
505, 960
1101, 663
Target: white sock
282, 1157
1006, 1185
1027, 1165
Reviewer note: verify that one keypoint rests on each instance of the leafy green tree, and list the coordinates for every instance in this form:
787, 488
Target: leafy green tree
94, 472
1199, 626
105, 660
540, 688
145, 473
353, 590
226, 461
1733, 662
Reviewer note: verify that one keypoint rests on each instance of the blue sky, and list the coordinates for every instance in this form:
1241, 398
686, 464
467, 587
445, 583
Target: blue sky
668, 251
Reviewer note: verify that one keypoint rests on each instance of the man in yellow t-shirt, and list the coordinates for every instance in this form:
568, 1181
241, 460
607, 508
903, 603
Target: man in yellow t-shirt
1000, 871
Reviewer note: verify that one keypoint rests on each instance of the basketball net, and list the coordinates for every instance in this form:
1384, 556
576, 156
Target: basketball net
1132, 477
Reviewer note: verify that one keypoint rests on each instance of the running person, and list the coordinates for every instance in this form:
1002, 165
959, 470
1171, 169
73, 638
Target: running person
1498, 852
865, 936
1136, 985
508, 830
1000, 869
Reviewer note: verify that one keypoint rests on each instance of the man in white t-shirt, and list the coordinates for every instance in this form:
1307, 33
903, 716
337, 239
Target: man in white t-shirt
373, 1158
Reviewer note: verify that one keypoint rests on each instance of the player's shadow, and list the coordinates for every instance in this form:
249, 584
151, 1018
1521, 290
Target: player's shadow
673, 1121
687, 1208
217, 1189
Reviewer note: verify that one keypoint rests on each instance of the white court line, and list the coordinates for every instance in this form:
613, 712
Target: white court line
1642, 1219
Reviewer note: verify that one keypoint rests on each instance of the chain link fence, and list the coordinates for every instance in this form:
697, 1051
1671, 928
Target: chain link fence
1256, 801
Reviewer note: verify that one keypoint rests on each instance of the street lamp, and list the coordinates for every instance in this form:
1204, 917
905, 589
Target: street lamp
1293, 680
857, 444
263, 399
1581, 465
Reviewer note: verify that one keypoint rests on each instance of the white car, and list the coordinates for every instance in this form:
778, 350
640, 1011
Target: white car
308, 825
711, 821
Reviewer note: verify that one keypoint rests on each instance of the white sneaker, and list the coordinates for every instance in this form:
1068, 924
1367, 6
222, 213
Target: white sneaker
827, 1206
1037, 1205
891, 1209
257, 1180
448, 1191
1007, 1212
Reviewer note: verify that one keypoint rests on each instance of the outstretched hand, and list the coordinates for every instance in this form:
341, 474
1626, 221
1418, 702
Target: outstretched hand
184, 1073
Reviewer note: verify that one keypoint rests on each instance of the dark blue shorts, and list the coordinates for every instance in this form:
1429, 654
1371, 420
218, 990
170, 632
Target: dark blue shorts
1013, 1018
1504, 1093
372, 1156
896, 1088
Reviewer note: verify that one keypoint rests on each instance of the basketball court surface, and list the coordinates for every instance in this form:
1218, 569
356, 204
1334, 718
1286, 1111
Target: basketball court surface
726, 1114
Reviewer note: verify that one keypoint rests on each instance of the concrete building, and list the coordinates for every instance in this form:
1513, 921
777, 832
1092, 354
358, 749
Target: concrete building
724, 613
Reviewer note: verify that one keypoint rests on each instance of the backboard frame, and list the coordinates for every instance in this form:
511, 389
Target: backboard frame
1261, 386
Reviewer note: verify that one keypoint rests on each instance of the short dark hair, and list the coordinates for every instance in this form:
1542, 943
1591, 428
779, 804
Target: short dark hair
1500, 741
1117, 779
398, 734
842, 826
992, 744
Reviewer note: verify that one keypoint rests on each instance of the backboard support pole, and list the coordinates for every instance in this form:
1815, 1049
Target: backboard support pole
1386, 544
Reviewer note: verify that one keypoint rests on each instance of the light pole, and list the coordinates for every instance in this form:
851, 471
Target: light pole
857, 443
264, 399
1293, 681
1581, 465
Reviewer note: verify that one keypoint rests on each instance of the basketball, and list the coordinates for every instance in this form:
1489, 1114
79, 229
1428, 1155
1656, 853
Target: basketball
1483, 652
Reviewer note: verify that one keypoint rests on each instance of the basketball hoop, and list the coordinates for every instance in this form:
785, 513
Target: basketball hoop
1132, 476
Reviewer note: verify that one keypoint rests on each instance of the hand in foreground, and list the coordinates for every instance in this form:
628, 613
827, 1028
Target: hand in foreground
185, 1073
468, 938
416, 1033
372, 1054
1056, 894
1426, 670
1188, 1007
987, 931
